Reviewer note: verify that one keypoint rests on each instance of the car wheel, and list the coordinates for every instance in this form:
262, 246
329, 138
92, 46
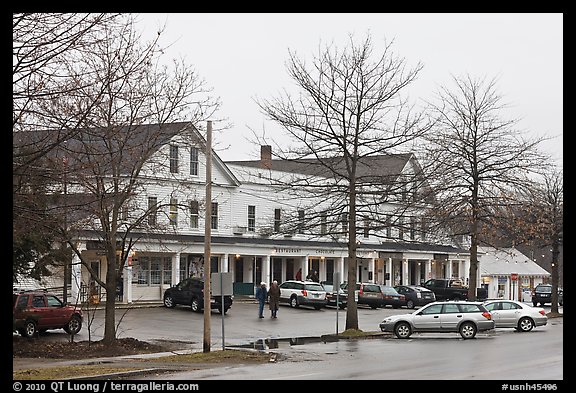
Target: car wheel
535, 304
293, 302
342, 306
525, 325
74, 325
169, 301
374, 307
29, 329
467, 330
410, 304
317, 307
195, 304
402, 330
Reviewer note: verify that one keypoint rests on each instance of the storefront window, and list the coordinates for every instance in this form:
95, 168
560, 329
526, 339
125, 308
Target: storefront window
153, 270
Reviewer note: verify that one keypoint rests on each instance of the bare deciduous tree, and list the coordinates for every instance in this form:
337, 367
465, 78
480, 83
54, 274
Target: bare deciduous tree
474, 160
350, 109
125, 108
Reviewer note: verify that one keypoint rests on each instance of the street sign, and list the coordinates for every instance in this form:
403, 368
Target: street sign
514, 276
221, 284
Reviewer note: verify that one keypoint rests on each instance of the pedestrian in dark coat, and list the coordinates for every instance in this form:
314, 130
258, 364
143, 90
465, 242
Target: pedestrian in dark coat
261, 295
274, 298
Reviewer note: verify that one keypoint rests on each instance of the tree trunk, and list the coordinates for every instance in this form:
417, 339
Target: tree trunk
110, 319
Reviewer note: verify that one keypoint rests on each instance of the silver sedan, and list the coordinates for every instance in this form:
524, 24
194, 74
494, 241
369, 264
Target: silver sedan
514, 314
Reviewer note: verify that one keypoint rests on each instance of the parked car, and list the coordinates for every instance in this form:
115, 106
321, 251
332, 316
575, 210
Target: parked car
369, 294
303, 293
464, 317
332, 296
190, 292
447, 288
38, 311
543, 294
415, 295
514, 314
392, 297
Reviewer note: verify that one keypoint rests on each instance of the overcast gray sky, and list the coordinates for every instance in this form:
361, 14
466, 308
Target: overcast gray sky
242, 56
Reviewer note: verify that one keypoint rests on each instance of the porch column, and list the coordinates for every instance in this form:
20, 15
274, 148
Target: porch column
127, 298
466, 273
76, 280
224, 263
389, 271
427, 270
448, 268
266, 270
404, 268
371, 269
175, 268
305, 268
340, 268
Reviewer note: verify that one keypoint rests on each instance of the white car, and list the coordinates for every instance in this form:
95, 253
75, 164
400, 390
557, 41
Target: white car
514, 314
303, 293
466, 318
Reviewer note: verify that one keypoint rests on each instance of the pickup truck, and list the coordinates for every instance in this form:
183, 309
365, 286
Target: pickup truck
447, 289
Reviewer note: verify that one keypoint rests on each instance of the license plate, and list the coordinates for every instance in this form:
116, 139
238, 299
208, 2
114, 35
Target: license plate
316, 294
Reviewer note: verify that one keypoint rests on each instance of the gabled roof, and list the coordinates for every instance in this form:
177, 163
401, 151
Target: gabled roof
504, 261
384, 167
128, 142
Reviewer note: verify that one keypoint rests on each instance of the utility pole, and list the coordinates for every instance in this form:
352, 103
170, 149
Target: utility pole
207, 235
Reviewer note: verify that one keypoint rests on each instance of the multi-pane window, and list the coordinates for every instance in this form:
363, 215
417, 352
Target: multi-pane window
153, 270
124, 212
251, 218
194, 161
366, 227
424, 229
344, 221
214, 217
173, 212
277, 218
323, 223
173, 159
412, 228
193, 214
152, 210
388, 226
301, 215
401, 227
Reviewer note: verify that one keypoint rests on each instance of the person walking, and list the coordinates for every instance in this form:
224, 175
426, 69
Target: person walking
261, 295
274, 298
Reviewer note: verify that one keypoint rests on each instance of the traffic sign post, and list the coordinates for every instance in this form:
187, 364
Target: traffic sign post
221, 284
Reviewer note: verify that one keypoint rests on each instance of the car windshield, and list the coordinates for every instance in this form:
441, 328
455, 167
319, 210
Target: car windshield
328, 287
389, 291
314, 287
544, 288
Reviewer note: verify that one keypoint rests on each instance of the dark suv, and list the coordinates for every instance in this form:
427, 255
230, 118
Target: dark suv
38, 311
543, 294
190, 292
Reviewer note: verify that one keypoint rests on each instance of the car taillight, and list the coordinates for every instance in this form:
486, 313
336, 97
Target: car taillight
487, 315
304, 293
361, 291
402, 297
542, 312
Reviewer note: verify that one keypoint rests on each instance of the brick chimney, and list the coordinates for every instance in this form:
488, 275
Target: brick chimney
266, 156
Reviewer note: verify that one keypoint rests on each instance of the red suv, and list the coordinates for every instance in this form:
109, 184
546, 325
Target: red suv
38, 311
